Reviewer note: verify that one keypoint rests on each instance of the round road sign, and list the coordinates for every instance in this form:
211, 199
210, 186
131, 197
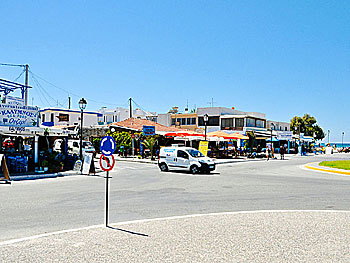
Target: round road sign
107, 162
107, 145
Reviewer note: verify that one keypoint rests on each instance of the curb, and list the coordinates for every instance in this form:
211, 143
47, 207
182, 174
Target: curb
40, 176
318, 168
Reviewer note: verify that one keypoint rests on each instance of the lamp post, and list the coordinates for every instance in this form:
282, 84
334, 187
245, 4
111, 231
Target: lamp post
271, 135
205, 118
342, 140
82, 106
328, 135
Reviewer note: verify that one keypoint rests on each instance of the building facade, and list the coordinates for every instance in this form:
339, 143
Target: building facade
67, 117
108, 116
278, 125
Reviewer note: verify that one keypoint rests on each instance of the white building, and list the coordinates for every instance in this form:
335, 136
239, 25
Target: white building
67, 117
108, 116
278, 125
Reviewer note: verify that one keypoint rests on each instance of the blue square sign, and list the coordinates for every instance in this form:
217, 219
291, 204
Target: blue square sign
149, 130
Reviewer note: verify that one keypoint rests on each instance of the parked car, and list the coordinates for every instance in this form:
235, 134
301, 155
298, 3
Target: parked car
184, 158
74, 147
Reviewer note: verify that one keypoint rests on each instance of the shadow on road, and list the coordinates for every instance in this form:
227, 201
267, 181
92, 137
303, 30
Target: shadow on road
127, 231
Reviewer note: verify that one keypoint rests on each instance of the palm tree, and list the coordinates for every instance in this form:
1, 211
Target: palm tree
149, 144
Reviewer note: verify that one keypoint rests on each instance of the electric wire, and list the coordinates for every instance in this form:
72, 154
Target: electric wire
70, 93
39, 93
55, 101
20, 75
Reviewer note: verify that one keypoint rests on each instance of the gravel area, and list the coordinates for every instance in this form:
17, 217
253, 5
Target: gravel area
309, 236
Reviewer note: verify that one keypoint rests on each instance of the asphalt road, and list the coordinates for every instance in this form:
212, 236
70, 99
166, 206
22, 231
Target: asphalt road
139, 191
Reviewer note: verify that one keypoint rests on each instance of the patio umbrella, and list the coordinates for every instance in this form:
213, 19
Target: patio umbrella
222, 134
240, 136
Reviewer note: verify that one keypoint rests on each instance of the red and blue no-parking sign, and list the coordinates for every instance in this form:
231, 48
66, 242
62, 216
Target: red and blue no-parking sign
107, 162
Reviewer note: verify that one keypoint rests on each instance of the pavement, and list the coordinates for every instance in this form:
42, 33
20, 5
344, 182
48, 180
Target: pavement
263, 236
139, 191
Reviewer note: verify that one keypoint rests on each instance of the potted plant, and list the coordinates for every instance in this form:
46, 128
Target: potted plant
61, 166
45, 164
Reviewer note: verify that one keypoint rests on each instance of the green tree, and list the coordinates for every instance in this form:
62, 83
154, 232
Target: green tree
149, 144
307, 125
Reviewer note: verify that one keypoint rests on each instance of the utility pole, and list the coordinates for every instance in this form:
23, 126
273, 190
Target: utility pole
69, 102
26, 84
130, 107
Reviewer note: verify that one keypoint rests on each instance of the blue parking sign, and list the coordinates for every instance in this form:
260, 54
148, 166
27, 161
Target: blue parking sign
107, 145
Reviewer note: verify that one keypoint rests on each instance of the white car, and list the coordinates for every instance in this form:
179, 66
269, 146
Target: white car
74, 146
184, 158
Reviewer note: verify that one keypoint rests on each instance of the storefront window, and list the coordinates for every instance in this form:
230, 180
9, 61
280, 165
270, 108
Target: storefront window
239, 122
212, 121
250, 122
226, 123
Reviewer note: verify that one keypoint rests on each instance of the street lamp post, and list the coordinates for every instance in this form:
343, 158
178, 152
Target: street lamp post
271, 135
82, 106
295, 142
205, 118
342, 140
328, 135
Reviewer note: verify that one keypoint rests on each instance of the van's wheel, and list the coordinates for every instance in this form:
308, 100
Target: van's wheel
194, 169
163, 167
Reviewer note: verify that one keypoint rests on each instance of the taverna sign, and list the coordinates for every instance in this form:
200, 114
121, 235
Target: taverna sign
18, 116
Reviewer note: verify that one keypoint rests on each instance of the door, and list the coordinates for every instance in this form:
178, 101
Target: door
183, 160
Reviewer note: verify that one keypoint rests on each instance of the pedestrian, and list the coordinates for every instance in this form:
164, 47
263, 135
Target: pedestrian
267, 153
282, 151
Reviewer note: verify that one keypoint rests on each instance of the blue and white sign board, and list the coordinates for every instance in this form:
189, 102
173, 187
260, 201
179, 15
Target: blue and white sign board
18, 116
149, 130
284, 135
107, 146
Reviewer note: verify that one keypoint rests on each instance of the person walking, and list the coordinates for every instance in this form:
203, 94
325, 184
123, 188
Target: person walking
282, 151
267, 153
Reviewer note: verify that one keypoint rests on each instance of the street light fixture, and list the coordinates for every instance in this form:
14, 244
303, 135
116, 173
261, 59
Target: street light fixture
82, 106
205, 118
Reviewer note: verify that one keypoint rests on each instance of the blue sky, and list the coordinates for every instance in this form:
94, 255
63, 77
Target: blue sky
283, 58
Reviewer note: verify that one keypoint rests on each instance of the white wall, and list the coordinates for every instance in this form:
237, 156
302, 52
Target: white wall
74, 117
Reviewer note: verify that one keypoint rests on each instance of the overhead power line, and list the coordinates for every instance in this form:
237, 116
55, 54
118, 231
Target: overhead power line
70, 93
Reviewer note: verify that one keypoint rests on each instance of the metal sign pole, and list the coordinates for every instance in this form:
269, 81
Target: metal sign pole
107, 179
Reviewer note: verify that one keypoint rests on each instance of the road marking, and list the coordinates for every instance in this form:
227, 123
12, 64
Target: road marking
307, 166
13, 241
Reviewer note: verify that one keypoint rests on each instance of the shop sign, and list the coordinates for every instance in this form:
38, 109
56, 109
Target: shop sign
17, 129
63, 117
203, 147
284, 135
18, 116
149, 130
14, 101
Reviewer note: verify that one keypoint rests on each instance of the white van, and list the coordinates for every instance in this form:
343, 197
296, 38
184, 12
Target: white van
74, 146
184, 158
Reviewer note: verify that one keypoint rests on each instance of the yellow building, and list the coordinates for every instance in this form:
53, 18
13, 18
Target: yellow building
185, 121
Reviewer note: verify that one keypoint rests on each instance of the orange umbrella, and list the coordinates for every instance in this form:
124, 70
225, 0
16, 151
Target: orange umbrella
240, 136
222, 134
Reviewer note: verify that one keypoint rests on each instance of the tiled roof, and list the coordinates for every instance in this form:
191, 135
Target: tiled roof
137, 124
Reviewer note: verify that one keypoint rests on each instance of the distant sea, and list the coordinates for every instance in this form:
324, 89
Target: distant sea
339, 144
